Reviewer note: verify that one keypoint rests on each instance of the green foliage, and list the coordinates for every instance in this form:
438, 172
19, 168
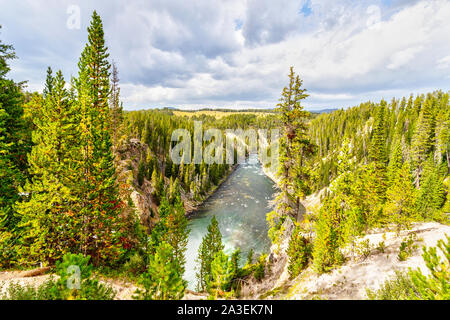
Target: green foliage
210, 246
400, 287
99, 202
299, 252
222, 272
407, 247
250, 256
135, 264
381, 247
326, 253
363, 249
162, 281
117, 127
424, 137
172, 229
276, 220
141, 172
295, 150
259, 269
436, 285
364, 193
16, 291
377, 151
73, 198
414, 285
75, 282
400, 206
431, 195
75, 271
14, 144
47, 219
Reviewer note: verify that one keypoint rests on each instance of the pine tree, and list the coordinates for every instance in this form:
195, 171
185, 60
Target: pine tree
177, 234
100, 205
299, 252
395, 163
222, 272
48, 83
443, 136
49, 221
116, 107
295, 146
295, 151
377, 150
401, 197
156, 187
431, 195
210, 246
141, 172
423, 140
326, 251
13, 149
162, 280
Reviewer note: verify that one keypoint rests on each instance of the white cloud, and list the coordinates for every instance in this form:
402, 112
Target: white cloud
444, 63
403, 57
191, 53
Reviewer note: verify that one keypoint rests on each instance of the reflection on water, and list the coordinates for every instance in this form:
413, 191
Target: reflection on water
240, 206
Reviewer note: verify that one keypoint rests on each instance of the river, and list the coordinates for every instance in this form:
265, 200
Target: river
240, 205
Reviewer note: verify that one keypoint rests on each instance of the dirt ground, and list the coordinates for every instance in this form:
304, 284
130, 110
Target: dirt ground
349, 282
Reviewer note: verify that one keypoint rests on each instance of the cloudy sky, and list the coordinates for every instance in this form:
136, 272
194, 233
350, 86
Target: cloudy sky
237, 53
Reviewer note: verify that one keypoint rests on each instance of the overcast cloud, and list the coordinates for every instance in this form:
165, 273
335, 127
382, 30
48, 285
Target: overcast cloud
237, 54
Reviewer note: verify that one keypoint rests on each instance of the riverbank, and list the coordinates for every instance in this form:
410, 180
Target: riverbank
191, 207
239, 205
271, 175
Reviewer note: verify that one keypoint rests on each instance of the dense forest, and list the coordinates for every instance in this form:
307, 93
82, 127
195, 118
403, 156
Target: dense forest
67, 176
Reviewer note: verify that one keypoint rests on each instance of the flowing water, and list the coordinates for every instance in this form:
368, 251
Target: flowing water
240, 205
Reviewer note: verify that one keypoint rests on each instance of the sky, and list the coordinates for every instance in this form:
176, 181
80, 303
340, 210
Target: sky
237, 53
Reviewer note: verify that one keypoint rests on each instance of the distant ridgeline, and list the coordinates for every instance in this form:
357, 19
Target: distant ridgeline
269, 110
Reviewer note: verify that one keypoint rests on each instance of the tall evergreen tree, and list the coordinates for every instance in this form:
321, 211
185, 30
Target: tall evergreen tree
210, 246
377, 150
100, 205
177, 233
13, 147
116, 107
48, 219
295, 150
431, 195
395, 163
423, 140
326, 251
400, 205
162, 280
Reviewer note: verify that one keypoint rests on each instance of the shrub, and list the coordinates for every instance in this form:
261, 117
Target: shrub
136, 264
400, 287
75, 283
260, 267
364, 249
299, 252
75, 280
381, 247
414, 285
222, 274
407, 247
330, 236
436, 286
15, 291
162, 280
